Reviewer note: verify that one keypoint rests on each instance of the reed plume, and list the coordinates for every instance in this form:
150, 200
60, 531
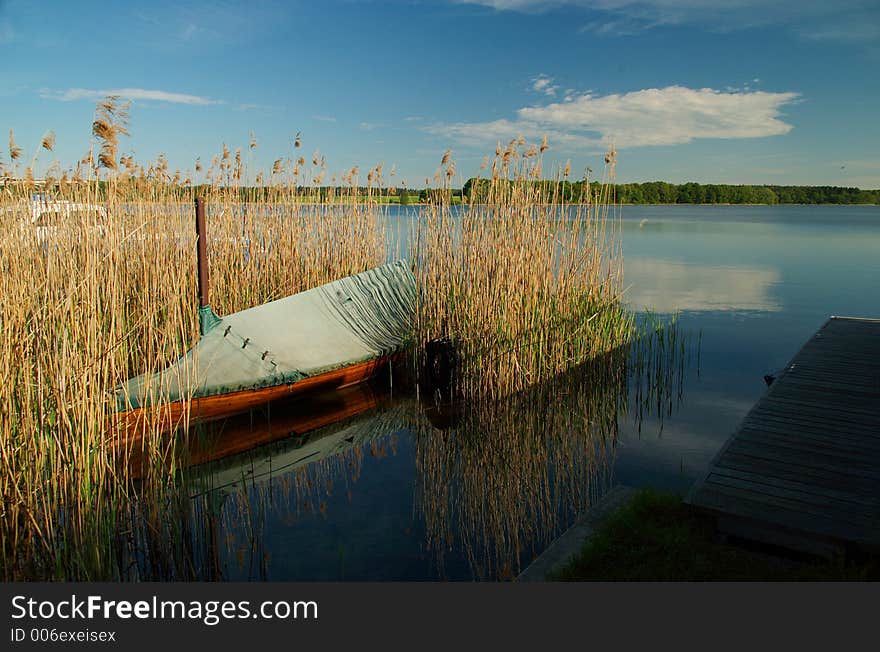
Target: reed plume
14, 150
111, 121
48, 141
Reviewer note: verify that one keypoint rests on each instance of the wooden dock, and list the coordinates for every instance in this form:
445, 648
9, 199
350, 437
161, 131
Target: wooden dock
803, 469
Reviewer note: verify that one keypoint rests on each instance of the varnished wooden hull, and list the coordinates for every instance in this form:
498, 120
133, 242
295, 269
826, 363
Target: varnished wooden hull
208, 408
283, 419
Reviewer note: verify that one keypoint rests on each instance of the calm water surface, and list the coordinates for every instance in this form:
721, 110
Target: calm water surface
391, 488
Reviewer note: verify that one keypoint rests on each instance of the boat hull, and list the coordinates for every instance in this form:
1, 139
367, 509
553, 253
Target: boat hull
208, 408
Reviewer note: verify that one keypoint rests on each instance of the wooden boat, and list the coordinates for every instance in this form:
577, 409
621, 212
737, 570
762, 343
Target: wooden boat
332, 336
287, 420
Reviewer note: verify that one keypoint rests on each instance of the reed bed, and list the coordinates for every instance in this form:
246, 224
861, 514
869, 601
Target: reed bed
94, 295
523, 286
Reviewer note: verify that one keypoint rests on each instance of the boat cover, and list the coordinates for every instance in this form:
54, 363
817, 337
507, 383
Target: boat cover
355, 319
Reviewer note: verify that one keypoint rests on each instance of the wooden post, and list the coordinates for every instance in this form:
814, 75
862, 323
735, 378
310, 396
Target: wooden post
202, 254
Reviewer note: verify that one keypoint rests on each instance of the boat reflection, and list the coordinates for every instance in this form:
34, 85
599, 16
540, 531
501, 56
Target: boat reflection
279, 439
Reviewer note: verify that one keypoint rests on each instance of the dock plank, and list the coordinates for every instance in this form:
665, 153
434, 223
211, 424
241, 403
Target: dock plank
835, 493
818, 409
767, 454
819, 503
868, 436
815, 477
810, 439
806, 420
855, 411
804, 465
807, 455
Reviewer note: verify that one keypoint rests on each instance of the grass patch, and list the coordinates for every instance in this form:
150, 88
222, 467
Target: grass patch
657, 537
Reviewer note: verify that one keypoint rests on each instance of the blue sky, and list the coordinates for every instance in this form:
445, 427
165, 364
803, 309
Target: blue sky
740, 91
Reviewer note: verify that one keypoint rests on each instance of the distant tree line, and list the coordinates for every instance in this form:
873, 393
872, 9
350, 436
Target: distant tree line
660, 192
403, 196
651, 192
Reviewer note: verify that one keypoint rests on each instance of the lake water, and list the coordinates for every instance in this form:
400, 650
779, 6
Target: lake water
391, 488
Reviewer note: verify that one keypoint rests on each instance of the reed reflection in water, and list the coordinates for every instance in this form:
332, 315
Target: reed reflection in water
499, 482
493, 482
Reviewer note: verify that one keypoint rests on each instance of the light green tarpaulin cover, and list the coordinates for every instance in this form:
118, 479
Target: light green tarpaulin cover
352, 320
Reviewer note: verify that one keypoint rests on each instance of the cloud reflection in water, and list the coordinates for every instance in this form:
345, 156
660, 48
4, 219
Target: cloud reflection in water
668, 286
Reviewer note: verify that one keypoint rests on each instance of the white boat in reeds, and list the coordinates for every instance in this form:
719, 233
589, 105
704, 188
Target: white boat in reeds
44, 217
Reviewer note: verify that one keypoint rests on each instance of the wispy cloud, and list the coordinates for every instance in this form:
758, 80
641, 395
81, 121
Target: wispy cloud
191, 32
74, 94
853, 29
483, 134
324, 118
853, 21
654, 116
370, 126
544, 84
250, 106
168, 26
618, 26
7, 34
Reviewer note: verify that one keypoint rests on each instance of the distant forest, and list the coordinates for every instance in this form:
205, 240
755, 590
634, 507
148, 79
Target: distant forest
651, 192
660, 192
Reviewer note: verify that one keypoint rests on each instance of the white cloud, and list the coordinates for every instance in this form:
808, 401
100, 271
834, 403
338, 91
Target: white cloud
324, 118
74, 94
544, 84
476, 134
654, 116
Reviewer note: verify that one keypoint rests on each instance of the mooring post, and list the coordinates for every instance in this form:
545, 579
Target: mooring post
202, 253
207, 318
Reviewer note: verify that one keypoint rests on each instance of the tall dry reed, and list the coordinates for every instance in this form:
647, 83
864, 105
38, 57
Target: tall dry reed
104, 289
524, 286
